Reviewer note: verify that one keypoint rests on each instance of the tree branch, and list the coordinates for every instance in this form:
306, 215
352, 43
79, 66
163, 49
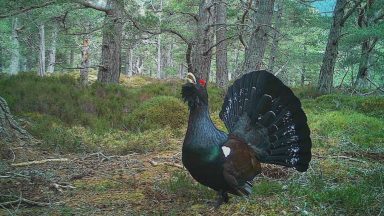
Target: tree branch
27, 201
23, 10
216, 44
40, 162
194, 16
350, 11
249, 5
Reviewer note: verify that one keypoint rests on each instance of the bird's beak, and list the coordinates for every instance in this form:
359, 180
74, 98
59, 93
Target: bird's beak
191, 78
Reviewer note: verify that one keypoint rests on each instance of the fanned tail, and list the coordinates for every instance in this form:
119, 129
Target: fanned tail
278, 122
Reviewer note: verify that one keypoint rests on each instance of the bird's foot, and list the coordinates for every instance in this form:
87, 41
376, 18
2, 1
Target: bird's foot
222, 197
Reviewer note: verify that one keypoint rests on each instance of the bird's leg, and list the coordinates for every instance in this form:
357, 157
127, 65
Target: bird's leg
222, 197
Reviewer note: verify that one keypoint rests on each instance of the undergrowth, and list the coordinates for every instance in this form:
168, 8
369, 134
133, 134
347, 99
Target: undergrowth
146, 115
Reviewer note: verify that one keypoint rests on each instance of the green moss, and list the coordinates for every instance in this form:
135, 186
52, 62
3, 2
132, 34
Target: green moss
158, 112
267, 188
98, 185
372, 106
351, 196
363, 130
119, 142
308, 92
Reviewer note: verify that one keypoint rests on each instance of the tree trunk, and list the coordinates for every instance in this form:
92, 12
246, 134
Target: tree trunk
255, 50
85, 61
127, 61
159, 74
109, 71
14, 68
181, 71
365, 20
168, 55
362, 74
1, 59
221, 48
10, 131
238, 66
303, 66
52, 51
72, 57
204, 40
325, 83
23, 64
130, 73
276, 37
42, 51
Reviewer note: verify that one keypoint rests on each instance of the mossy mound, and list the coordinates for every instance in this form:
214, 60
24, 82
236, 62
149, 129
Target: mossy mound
373, 106
158, 112
366, 131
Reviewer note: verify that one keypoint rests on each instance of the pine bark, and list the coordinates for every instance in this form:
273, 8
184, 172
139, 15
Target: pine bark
130, 72
52, 50
181, 71
304, 67
221, 48
202, 53
276, 37
42, 50
159, 73
365, 20
109, 71
85, 61
1, 59
14, 68
72, 57
261, 25
10, 130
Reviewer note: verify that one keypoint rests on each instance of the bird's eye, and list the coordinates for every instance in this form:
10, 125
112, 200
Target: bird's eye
202, 82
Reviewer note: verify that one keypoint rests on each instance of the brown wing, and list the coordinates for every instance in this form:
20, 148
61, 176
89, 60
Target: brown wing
241, 165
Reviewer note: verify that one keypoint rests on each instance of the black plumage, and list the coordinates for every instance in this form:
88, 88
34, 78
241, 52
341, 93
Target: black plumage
266, 124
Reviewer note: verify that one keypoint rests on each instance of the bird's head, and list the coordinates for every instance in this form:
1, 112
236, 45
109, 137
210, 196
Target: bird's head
194, 92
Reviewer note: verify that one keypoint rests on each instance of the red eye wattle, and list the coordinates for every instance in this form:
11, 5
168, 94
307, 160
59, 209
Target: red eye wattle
202, 82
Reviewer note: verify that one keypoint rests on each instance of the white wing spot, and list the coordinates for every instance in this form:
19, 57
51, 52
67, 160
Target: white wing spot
226, 150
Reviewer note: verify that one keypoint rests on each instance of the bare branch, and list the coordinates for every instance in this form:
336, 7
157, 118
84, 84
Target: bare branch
27, 201
249, 5
194, 16
216, 44
40, 162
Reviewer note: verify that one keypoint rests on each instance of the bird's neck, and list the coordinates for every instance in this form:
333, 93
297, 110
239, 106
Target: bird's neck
201, 130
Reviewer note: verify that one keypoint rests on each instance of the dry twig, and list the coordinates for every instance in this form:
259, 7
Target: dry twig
154, 163
40, 162
341, 157
60, 187
27, 201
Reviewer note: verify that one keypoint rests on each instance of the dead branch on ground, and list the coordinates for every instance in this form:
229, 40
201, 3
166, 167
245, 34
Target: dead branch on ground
40, 162
154, 163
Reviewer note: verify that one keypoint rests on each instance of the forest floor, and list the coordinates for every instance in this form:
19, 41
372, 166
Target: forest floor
157, 184
133, 184
128, 172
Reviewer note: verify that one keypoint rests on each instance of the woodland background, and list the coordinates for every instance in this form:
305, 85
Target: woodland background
89, 85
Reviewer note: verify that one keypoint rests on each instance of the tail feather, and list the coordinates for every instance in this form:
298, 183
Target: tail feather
273, 110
